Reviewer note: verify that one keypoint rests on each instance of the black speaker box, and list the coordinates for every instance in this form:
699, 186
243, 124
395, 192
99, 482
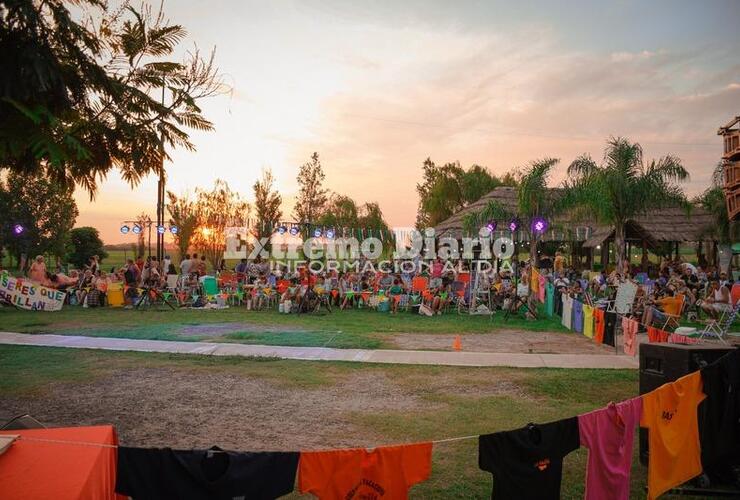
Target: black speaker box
662, 363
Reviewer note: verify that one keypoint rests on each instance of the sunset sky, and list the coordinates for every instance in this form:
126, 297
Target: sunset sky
377, 87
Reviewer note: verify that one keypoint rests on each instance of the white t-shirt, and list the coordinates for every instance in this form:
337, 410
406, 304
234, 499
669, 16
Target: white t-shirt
567, 310
185, 266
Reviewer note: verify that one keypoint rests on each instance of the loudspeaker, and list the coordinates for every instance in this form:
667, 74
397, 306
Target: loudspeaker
662, 363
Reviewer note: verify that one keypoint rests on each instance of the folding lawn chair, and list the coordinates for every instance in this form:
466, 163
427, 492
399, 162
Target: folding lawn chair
622, 303
458, 294
673, 320
172, 282
419, 285
720, 327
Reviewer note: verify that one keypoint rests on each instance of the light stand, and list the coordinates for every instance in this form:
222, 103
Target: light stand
160, 193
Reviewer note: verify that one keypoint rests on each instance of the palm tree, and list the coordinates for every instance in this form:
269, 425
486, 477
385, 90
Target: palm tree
623, 186
534, 199
493, 210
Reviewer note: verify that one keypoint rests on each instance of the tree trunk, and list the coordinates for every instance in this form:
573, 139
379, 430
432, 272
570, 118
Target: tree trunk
533, 257
619, 247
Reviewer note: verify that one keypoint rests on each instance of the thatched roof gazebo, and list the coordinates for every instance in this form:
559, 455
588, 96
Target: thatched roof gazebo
666, 225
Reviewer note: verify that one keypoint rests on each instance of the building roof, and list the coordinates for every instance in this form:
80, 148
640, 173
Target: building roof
664, 224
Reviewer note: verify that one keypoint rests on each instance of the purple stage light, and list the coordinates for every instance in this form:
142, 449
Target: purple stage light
513, 225
539, 225
18, 229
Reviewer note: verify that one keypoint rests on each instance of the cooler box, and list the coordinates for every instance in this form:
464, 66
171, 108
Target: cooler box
115, 295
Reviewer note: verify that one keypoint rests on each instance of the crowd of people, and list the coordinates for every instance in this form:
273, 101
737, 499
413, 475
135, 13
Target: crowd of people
676, 287
680, 290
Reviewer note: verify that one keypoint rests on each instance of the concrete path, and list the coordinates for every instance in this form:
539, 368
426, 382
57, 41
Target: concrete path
448, 358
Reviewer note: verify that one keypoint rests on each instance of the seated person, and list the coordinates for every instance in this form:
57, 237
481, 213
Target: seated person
440, 298
290, 295
670, 304
395, 292
84, 285
347, 289
717, 300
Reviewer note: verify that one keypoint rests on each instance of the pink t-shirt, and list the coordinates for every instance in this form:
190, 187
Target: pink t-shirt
608, 434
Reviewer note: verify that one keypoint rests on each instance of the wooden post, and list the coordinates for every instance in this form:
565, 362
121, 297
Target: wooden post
605, 255
645, 259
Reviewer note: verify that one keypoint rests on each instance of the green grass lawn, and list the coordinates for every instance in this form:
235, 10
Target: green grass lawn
456, 401
366, 329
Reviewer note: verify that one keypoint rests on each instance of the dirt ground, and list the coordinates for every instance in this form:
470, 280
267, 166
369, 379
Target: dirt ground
188, 408
504, 341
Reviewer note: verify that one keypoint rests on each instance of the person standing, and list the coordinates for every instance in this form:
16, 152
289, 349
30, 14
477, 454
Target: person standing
186, 265
37, 271
558, 264
201, 265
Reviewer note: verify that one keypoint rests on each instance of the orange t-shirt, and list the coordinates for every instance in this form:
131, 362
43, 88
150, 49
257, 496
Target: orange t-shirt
669, 412
671, 305
599, 325
386, 472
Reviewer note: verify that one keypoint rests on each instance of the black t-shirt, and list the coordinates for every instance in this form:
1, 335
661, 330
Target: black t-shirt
527, 463
610, 325
719, 413
162, 473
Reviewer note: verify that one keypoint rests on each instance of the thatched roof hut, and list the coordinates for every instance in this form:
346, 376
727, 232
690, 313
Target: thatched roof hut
660, 225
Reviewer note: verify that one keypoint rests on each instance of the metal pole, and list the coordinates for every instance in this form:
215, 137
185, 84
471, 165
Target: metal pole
160, 192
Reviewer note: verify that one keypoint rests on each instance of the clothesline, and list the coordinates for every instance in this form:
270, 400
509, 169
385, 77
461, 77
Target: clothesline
679, 399
103, 445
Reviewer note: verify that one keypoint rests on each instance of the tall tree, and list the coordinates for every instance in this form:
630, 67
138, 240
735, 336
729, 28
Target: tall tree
340, 211
216, 210
446, 189
713, 201
183, 215
44, 208
311, 194
371, 217
476, 182
84, 243
623, 187
82, 94
534, 199
267, 203
440, 193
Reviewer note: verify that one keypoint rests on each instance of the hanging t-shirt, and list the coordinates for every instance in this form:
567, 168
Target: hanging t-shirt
670, 415
549, 299
541, 292
534, 281
162, 473
527, 463
588, 321
608, 434
629, 334
610, 327
656, 335
578, 316
719, 414
386, 472
567, 311
599, 325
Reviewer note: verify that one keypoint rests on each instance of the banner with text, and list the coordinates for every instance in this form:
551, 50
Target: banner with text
26, 294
